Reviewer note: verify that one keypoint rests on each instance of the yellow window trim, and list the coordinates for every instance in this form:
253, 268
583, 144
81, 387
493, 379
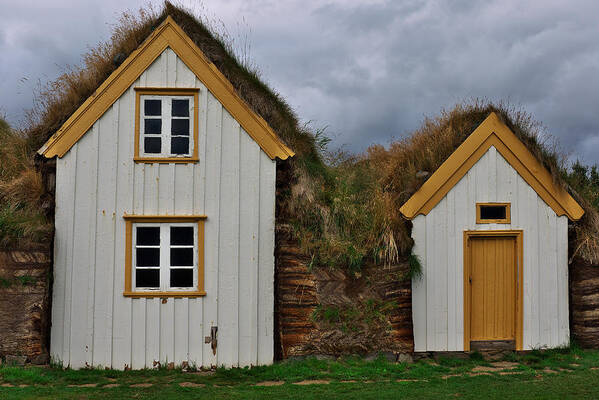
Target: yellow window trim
167, 35
518, 234
167, 92
491, 132
505, 220
129, 221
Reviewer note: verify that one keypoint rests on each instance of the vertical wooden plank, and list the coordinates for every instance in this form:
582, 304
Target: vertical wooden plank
228, 266
531, 265
171, 68
91, 256
185, 77
249, 223
125, 168
212, 204
266, 260
549, 275
562, 279
66, 356
106, 214
462, 204
492, 173
153, 320
65, 198
431, 271
441, 276
85, 188
472, 199
419, 297
452, 269
181, 330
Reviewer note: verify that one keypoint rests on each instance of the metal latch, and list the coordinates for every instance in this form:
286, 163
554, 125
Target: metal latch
212, 338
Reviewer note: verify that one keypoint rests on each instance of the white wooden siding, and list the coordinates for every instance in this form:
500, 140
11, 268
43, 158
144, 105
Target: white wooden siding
438, 301
93, 324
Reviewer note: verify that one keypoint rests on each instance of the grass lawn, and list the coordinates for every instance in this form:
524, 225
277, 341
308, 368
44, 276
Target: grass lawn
555, 374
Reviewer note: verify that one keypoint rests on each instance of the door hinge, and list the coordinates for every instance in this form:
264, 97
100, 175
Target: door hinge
212, 338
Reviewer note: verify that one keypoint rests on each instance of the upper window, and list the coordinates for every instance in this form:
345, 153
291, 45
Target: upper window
166, 125
488, 213
164, 256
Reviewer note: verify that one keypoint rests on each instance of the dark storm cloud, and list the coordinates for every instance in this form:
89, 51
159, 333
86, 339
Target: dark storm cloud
369, 70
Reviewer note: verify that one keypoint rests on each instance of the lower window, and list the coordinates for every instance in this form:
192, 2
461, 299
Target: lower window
164, 256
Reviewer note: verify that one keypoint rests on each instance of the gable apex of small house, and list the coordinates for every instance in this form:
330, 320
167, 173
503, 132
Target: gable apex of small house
167, 35
491, 132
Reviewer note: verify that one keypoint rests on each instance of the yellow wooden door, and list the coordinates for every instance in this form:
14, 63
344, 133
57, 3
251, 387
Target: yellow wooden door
493, 288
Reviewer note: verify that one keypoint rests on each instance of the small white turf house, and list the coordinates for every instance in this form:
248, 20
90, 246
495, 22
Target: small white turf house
490, 228
165, 216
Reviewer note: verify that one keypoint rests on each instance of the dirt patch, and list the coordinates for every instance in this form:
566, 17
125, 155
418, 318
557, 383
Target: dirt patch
191, 384
313, 382
549, 371
141, 385
270, 383
511, 372
450, 376
479, 373
483, 368
111, 385
408, 380
85, 385
202, 373
505, 364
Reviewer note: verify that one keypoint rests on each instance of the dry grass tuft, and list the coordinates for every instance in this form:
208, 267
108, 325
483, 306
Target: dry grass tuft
22, 223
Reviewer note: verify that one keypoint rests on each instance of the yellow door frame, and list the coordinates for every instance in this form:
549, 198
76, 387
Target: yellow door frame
518, 235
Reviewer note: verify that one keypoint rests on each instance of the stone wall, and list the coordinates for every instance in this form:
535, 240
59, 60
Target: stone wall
323, 311
25, 304
584, 303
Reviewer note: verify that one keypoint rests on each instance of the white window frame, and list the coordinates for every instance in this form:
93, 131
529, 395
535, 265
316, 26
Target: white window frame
166, 122
165, 262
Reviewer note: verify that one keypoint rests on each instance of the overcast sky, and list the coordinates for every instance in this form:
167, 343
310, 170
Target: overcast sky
368, 70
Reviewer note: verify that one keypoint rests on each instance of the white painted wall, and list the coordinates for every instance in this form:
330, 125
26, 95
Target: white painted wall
438, 301
93, 324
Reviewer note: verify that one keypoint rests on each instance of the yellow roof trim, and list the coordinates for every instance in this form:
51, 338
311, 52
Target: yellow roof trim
168, 34
492, 132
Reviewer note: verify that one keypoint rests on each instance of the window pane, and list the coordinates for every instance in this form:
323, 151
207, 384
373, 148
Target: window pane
180, 108
182, 257
152, 145
147, 257
182, 235
148, 236
181, 277
149, 278
152, 126
180, 127
492, 212
179, 145
152, 107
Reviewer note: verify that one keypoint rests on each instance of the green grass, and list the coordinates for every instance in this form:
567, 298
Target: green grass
562, 373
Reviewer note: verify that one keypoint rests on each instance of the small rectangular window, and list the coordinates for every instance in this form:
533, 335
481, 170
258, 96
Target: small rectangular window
167, 126
165, 256
487, 213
